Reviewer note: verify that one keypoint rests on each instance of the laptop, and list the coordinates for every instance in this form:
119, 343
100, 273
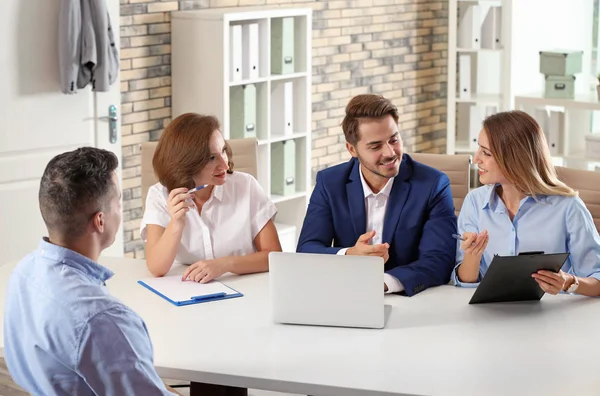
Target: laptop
327, 290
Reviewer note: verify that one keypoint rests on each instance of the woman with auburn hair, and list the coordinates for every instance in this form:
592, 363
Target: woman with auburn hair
201, 212
524, 207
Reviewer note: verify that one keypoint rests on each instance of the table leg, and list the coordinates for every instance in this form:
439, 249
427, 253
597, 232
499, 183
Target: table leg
200, 389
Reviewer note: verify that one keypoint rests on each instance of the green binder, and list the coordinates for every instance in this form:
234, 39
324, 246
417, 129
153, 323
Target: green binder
243, 112
283, 167
282, 45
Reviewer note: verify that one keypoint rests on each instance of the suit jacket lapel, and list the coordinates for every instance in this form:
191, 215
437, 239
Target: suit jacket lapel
397, 200
356, 201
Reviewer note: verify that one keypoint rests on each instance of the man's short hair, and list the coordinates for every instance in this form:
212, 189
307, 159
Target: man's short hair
361, 108
76, 185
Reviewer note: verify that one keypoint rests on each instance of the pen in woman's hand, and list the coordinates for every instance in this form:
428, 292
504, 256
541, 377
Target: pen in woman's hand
200, 187
190, 200
459, 237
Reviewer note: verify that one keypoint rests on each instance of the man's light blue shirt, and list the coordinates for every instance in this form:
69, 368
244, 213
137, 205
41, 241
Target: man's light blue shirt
549, 223
65, 335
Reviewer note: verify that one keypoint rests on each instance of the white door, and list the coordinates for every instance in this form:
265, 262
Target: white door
38, 122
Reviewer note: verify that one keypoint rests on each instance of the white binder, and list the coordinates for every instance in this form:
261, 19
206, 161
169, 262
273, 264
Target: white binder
282, 116
250, 51
469, 26
476, 116
542, 117
498, 27
491, 30
235, 54
555, 131
464, 76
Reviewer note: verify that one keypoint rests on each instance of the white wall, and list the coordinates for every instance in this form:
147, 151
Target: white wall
549, 24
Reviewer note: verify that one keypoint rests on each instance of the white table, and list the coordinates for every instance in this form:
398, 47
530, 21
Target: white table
433, 343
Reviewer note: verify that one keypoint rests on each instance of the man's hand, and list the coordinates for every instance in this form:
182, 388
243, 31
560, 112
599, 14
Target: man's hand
204, 271
362, 247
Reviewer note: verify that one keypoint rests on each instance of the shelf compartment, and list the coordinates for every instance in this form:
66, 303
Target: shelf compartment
288, 167
248, 51
289, 107
288, 45
248, 111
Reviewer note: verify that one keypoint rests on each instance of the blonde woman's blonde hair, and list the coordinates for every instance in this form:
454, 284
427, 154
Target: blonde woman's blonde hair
519, 146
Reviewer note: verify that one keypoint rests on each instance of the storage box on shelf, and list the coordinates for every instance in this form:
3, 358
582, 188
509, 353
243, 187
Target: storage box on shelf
560, 87
561, 62
250, 67
559, 68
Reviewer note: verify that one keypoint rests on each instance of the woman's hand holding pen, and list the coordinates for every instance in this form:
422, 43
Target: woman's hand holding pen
474, 244
178, 204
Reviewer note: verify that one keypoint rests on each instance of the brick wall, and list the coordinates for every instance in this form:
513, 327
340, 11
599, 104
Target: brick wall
396, 48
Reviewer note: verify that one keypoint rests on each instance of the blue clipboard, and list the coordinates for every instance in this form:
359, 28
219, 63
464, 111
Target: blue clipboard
180, 293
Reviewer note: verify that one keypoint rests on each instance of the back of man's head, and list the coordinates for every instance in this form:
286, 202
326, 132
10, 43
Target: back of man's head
75, 186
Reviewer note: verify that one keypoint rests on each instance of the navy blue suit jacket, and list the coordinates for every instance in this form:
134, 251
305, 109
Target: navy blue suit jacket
418, 224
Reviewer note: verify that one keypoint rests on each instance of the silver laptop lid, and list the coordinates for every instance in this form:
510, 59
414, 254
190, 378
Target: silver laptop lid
326, 289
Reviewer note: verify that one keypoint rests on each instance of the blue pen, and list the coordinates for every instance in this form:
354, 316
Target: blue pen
209, 296
459, 237
200, 187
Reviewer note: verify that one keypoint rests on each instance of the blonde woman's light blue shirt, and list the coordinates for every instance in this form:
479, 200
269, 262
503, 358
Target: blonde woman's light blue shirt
550, 223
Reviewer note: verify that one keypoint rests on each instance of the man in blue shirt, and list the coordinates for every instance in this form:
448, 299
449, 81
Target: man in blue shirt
63, 333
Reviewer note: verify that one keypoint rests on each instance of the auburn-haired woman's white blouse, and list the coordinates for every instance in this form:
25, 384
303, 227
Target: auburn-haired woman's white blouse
231, 218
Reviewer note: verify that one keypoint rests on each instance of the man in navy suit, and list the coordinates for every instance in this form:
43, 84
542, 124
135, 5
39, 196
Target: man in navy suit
382, 203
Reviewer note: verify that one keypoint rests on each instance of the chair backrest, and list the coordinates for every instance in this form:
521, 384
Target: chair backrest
588, 185
458, 169
244, 160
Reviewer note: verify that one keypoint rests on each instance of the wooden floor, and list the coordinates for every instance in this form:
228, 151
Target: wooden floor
7, 386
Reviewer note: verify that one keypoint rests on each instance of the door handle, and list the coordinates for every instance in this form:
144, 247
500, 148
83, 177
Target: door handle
112, 123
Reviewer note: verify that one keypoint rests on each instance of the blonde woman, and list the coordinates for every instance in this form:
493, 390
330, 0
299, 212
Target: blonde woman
524, 207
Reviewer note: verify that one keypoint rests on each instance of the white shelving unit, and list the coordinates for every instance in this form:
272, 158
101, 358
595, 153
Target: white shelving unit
493, 55
478, 84
205, 76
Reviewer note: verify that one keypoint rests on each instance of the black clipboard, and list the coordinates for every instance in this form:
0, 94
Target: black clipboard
508, 278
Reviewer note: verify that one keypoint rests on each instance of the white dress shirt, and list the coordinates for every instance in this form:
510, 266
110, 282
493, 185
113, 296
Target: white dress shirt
231, 218
375, 205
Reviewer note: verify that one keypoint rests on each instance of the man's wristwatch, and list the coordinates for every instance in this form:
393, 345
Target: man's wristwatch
573, 287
